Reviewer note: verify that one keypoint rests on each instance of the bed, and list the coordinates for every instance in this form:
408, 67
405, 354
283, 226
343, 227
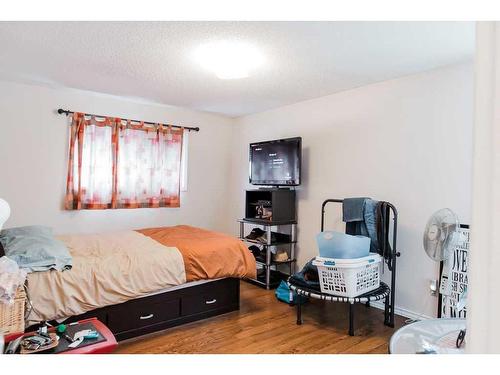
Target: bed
142, 281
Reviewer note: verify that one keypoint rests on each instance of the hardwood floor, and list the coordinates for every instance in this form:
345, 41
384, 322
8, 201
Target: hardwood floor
265, 325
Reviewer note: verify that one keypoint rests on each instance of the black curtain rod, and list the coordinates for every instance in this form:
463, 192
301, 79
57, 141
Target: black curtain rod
188, 128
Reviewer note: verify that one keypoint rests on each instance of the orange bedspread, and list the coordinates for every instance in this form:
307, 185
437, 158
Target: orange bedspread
206, 254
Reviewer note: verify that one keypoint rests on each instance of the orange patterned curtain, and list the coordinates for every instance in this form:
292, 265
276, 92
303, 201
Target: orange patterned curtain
112, 165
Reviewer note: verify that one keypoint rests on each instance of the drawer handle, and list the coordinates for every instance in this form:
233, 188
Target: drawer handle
144, 317
211, 301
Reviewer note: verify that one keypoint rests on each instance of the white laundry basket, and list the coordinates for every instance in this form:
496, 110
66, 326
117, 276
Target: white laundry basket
348, 277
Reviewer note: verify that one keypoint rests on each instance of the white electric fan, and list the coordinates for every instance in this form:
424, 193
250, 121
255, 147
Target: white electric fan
441, 236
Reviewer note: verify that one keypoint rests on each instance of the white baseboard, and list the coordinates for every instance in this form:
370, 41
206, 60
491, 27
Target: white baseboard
402, 312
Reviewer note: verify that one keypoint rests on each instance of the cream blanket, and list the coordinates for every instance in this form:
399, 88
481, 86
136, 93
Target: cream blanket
108, 268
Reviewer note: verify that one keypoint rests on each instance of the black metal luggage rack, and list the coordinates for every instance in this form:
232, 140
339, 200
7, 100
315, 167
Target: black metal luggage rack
383, 292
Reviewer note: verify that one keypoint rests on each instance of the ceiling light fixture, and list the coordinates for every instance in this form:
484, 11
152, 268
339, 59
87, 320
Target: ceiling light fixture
229, 59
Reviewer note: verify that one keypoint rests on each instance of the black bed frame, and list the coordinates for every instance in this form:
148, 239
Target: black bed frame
168, 309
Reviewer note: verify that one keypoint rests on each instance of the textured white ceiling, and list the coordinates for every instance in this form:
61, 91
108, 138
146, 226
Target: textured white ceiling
153, 60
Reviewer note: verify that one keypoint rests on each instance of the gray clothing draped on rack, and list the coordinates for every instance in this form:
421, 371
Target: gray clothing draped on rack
360, 216
369, 218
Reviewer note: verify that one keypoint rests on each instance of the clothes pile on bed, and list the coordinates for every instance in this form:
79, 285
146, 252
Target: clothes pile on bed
34, 248
11, 278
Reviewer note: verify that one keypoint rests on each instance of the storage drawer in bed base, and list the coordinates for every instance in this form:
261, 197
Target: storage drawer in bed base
120, 336
161, 311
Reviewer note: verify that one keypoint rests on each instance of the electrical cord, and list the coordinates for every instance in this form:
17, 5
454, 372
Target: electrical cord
27, 313
426, 305
31, 309
410, 321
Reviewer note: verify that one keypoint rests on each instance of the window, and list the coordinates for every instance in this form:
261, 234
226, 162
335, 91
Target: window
117, 165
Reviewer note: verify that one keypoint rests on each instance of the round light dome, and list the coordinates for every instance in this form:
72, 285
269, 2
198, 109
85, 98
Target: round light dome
229, 59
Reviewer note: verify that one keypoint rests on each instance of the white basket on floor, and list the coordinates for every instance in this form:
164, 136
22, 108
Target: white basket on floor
348, 277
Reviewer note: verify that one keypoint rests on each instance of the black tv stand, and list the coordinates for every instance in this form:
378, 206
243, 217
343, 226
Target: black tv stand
269, 208
278, 204
271, 271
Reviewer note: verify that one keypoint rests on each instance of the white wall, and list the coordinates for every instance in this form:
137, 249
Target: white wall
483, 304
407, 141
33, 161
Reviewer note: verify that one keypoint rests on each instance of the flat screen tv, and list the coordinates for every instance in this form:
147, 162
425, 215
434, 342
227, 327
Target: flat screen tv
276, 163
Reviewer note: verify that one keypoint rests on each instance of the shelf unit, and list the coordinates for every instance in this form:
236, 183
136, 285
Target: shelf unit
280, 204
271, 275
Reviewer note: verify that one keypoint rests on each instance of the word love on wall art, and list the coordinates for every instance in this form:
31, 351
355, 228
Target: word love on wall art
452, 297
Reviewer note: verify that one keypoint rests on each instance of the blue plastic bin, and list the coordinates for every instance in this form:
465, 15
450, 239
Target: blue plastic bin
342, 246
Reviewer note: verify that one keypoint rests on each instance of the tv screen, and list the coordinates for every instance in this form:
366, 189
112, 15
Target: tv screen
276, 162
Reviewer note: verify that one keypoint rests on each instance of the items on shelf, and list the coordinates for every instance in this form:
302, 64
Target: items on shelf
271, 208
270, 205
263, 209
258, 253
275, 277
279, 255
260, 236
274, 252
257, 234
